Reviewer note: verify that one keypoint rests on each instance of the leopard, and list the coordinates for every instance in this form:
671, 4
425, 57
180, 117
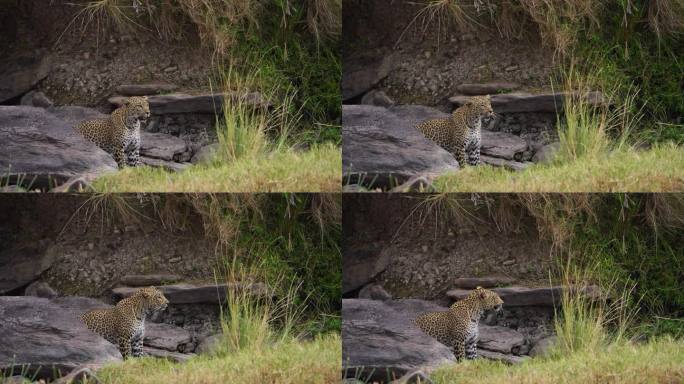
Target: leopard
457, 328
460, 134
124, 324
119, 134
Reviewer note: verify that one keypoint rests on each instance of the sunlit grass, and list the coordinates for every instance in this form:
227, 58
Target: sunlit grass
316, 170
656, 170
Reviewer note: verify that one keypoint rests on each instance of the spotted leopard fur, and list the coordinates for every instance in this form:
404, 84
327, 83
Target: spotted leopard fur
124, 325
119, 134
460, 134
457, 328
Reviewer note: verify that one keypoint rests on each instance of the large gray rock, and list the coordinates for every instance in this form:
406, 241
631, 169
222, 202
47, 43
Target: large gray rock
361, 73
194, 294
164, 147
206, 103
40, 289
165, 336
544, 346
210, 344
525, 102
547, 153
502, 145
360, 266
42, 147
499, 339
380, 343
523, 296
37, 333
20, 266
19, 73
382, 147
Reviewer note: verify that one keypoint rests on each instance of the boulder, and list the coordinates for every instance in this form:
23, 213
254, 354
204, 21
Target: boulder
499, 339
164, 147
40, 289
484, 282
362, 72
205, 154
78, 305
36, 99
195, 294
147, 280
165, 336
374, 292
210, 344
546, 153
42, 148
379, 342
379, 98
525, 102
523, 296
486, 88
544, 346
206, 103
49, 341
20, 266
360, 266
145, 89
19, 73
502, 145
382, 148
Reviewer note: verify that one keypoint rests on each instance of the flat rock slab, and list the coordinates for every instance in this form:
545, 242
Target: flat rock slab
164, 147
195, 294
36, 332
145, 89
524, 102
382, 147
206, 103
523, 296
147, 280
176, 357
487, 88
379, 342
498, 356
19, 73
165, 336
44, 148
484, 282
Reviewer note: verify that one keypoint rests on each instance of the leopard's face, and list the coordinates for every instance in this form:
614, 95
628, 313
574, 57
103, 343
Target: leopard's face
489, 300
482, 106
139, 107
153, 299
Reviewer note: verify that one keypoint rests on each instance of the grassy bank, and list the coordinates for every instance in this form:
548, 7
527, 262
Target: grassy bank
657, 169
317, 170
658, 361
317, 361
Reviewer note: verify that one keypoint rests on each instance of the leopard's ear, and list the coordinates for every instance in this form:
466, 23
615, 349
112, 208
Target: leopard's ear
145, 98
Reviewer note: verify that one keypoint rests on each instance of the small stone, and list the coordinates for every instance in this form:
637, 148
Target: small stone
509, 262
91, 246
511, 68
86, 55
170, 69
174, 260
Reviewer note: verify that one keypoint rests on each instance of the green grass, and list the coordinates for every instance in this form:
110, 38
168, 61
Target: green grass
656, 170
316, 170
317, 361
658, 361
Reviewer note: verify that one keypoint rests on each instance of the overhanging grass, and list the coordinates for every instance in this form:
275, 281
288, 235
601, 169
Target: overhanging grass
659, 361
316, 170
654, 170
317, 361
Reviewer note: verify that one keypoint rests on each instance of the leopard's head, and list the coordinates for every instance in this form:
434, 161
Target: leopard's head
138, 106
152, 298
481, 106
489, 300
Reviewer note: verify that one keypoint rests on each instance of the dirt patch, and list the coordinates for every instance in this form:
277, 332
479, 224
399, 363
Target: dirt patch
87, 64
431, 59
